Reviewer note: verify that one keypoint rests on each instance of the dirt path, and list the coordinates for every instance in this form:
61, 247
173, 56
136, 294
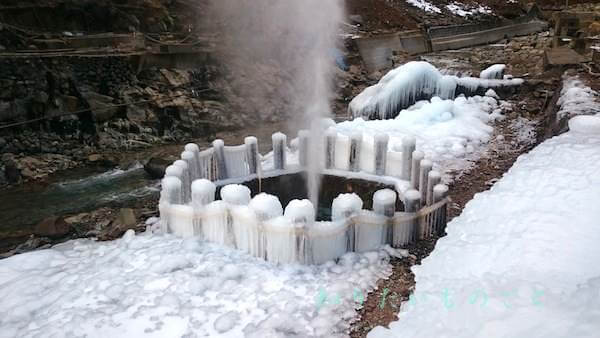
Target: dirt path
382, 305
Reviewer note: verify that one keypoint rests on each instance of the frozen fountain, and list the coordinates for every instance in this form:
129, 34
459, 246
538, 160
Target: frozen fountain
233, 196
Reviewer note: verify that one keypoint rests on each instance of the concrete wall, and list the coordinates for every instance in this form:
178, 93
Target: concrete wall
485, 36
376, 52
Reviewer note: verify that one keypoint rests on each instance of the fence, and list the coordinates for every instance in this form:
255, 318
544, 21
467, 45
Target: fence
259, 225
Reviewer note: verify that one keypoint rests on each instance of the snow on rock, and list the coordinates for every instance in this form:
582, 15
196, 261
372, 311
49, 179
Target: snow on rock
452, 133
493, 72
461, 9
576, 98
424, 5
522, 258
164, 286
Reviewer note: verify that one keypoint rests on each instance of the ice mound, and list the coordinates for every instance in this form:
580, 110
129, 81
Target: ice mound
585, 124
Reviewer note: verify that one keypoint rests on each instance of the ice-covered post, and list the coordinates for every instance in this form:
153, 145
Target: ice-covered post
170, 194
252, 156
426, 166
355, 145
219, 147
193, 164
440, 192
279, 145
194, 149
381, 145
433, 179
408, 147
415, 171
203, 193
343, 207
303, 138
331, 138
412, 204
185, 179
384, 203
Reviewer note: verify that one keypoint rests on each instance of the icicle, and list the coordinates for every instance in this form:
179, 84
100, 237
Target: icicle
203, 193
185, 179
181, 220
367, 155
207, 164
245, 226
235, 161
370, 231
215, 223
194, 149
192, 162
342, 152
170, 194
235, 194
265, 207
281, 244
328, 241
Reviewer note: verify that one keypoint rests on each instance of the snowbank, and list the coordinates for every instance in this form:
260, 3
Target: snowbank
576, 98
522, 258
162, 286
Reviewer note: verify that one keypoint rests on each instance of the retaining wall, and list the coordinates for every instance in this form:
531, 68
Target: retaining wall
377, 51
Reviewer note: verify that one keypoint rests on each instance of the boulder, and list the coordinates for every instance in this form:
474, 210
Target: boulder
52, 226
155, 167
101, 105
125, 220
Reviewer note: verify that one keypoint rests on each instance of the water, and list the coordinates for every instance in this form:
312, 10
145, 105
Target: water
86, 189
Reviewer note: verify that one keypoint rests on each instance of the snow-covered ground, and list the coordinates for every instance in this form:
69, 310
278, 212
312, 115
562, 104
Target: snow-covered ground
425, 5
161, 286
461, 9
522, 258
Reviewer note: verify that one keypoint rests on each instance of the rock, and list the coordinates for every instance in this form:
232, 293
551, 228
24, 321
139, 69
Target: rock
94, 157
126, 217
155, 167
2, 142
52, 226
125, 220
76, 219
356, 19
101, 105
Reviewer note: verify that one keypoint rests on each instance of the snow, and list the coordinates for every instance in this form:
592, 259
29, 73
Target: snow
461, 9
522, 258
493, 72
424, 5
576, 98
163, 286
451, 133
585, 125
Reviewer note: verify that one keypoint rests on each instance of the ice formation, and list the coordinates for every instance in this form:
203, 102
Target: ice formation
493, 72
203, 193
300, 211
236, 194
416, 80
527, 268
450, 132
345, 206
425, 5
266, 206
